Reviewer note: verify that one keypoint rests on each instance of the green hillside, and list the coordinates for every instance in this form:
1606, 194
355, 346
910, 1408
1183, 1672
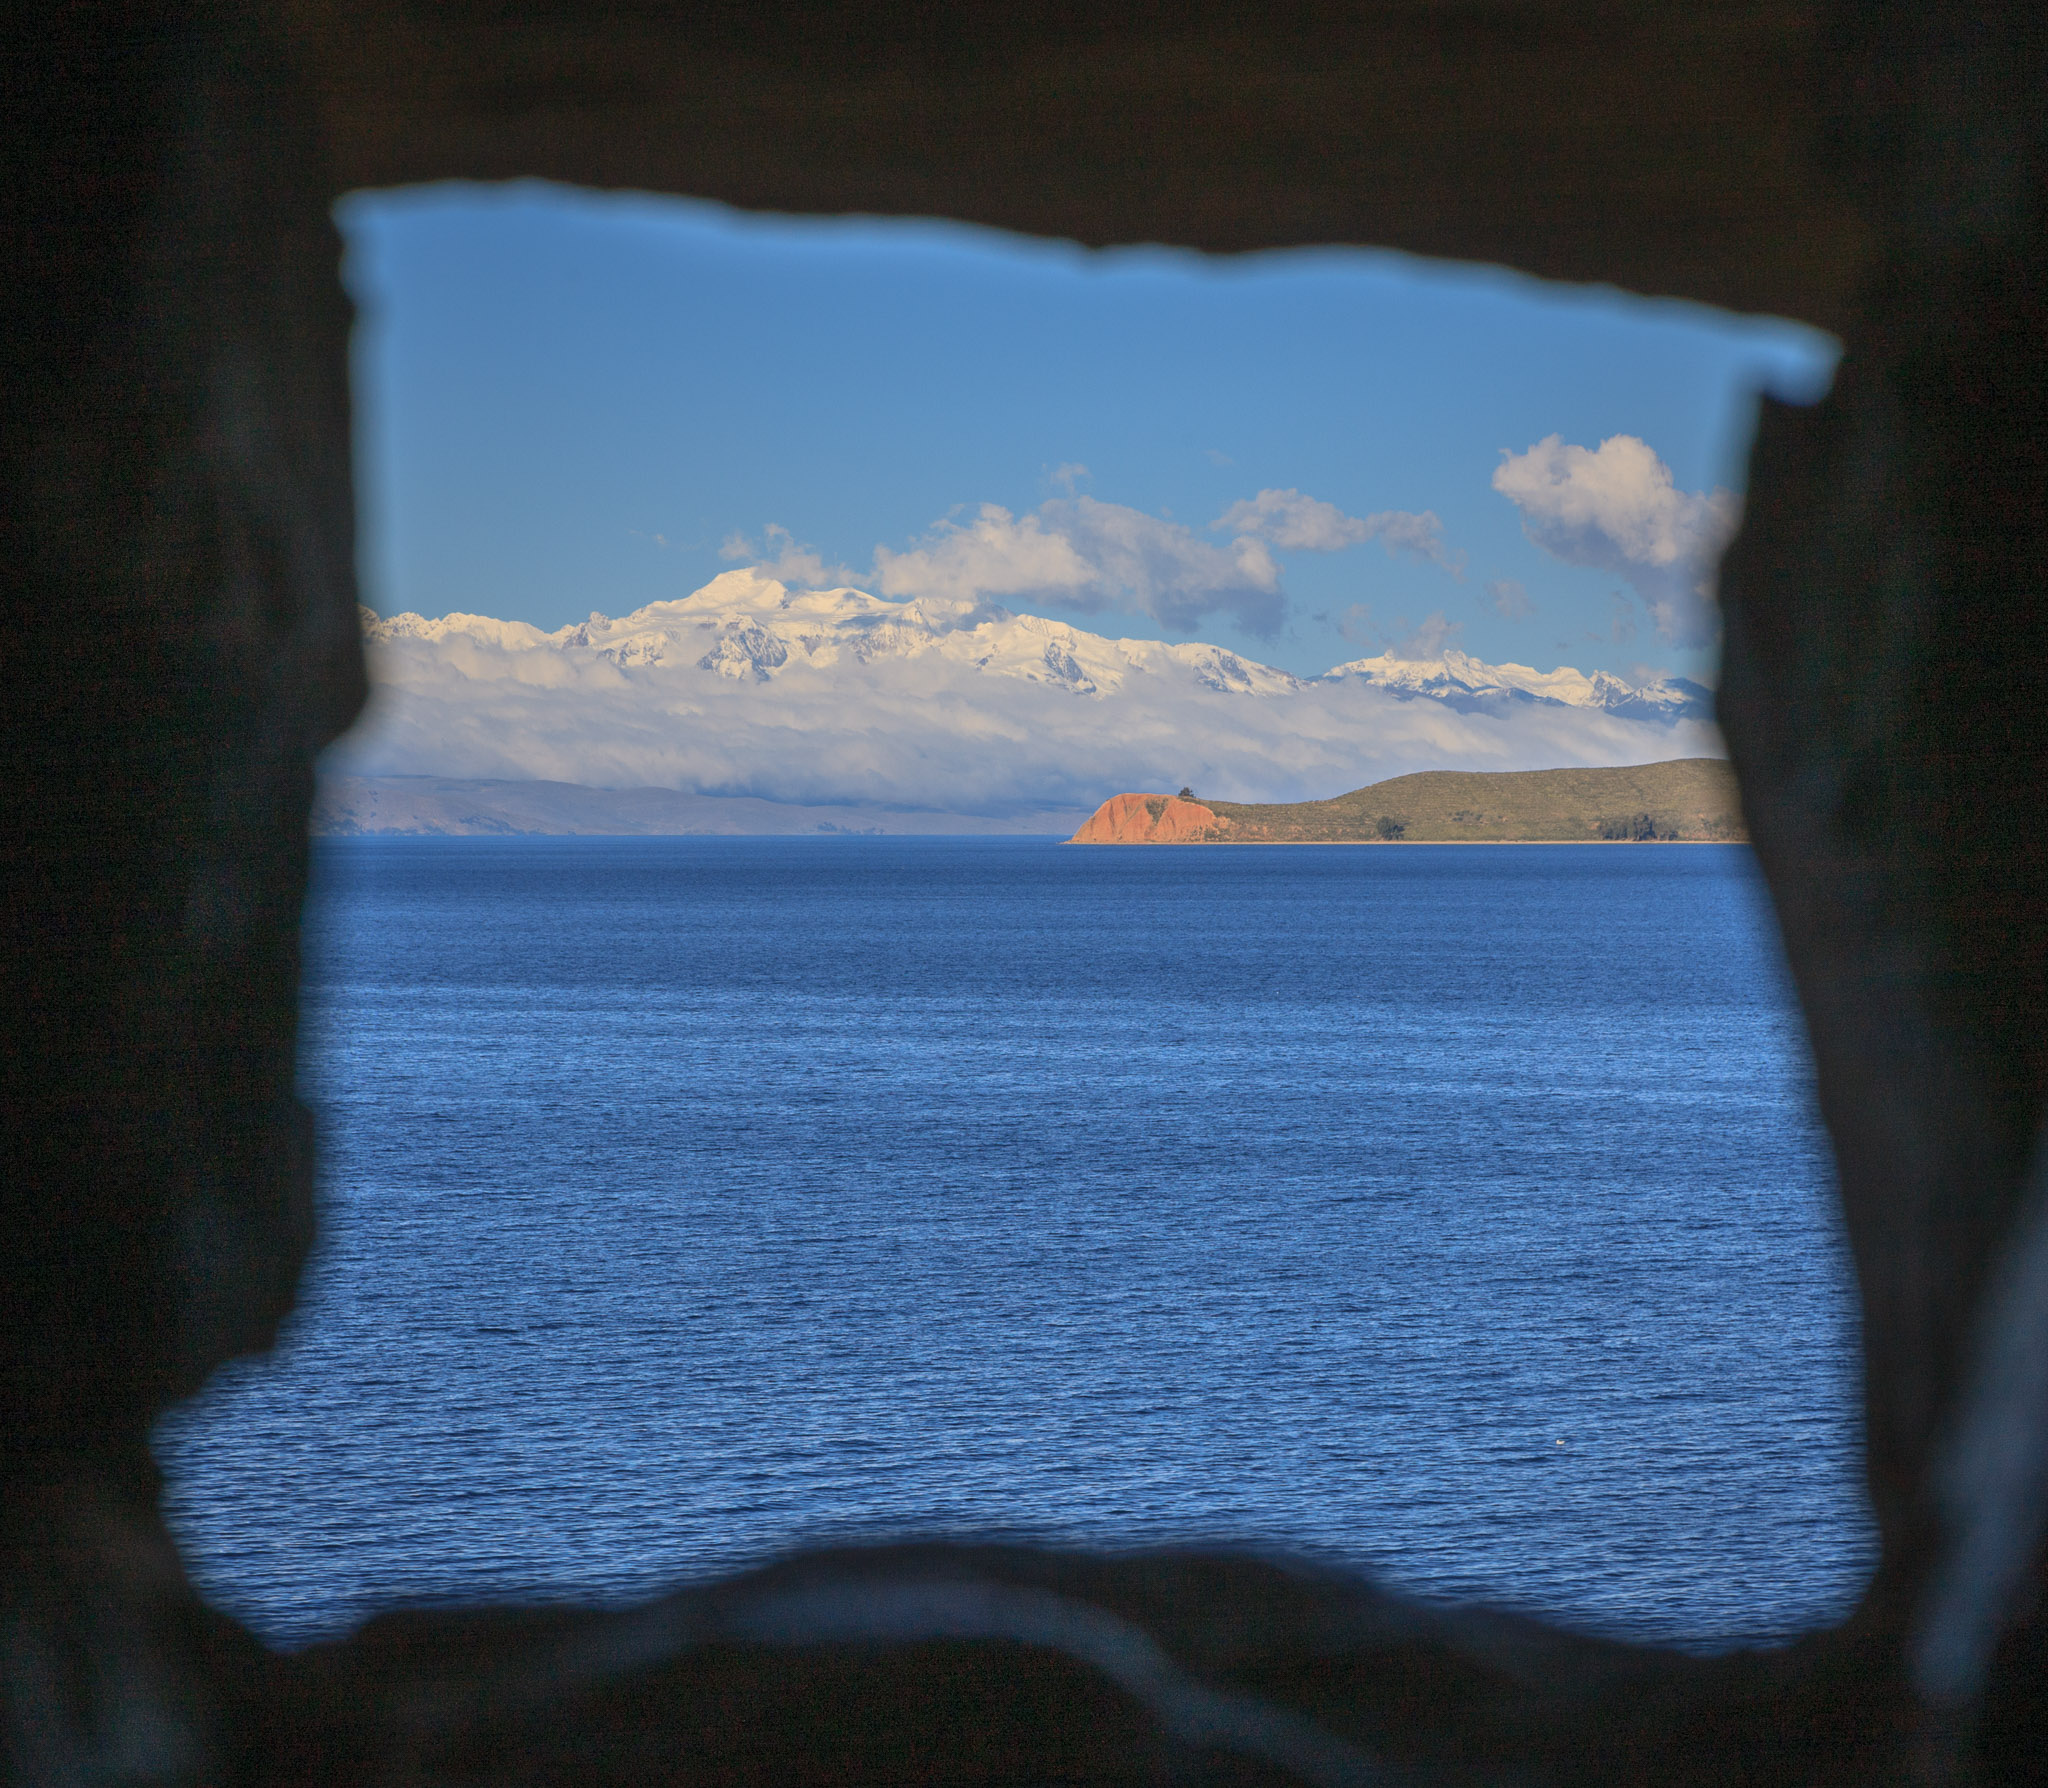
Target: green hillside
1693, 798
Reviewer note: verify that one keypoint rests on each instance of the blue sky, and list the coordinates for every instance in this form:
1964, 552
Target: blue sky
572, 402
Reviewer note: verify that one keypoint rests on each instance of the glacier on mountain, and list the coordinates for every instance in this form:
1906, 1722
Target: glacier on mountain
747, 686
745, 625
1463, 681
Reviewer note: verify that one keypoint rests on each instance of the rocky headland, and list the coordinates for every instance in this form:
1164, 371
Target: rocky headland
1151, 819
1688, 800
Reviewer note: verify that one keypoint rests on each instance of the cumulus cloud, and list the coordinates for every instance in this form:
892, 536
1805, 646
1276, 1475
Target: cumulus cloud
780, 556
1402, 637
1509, 599
1080, 553
1429, 640
1295, 522
1355, 623
1617, 509
930, 731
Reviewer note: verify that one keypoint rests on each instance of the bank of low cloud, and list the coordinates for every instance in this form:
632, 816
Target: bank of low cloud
821, 697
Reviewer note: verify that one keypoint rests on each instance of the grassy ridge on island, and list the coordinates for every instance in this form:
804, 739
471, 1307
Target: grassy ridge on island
1689, 799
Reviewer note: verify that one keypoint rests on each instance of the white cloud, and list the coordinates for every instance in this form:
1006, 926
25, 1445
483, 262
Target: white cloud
1067, 475
1622, 629
1509, 599
1080, 553
1298, 523
1616, 508
780, 557
1429, 640
1402, 637
930, 721
1355, 624
1293, 522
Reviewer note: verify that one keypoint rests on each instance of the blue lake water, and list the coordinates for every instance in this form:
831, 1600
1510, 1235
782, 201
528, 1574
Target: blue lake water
1456, 1212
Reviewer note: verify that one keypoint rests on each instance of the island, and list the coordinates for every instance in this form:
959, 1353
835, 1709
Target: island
1691, 800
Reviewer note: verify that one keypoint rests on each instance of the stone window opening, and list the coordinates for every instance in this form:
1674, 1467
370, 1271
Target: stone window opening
1328, 1467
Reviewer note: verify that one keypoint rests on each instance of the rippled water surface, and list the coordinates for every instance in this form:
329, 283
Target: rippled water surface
1458, 1212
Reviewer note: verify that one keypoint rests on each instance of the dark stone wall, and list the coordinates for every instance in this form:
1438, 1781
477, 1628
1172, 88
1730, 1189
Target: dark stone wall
1666, 147
181, 641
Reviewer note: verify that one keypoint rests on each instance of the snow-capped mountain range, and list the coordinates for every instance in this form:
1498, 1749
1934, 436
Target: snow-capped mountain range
959, 708
750, 628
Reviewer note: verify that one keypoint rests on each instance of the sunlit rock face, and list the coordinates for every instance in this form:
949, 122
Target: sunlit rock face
1151, 819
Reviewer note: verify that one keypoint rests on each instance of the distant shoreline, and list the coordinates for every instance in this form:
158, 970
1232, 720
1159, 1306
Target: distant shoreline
351, 805
1435, 844
1680, 801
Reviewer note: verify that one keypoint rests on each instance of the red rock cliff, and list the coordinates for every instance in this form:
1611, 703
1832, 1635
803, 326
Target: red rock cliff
1151, 819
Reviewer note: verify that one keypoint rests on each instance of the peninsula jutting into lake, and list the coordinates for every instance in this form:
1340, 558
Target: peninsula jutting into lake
1690, 800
